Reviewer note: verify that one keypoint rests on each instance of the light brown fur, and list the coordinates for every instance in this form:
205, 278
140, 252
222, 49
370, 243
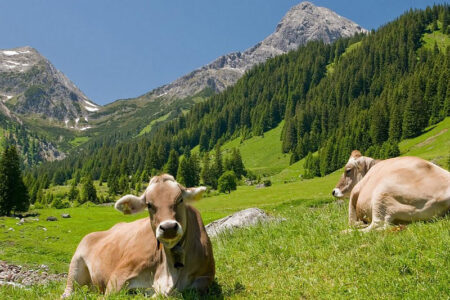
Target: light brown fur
393, 191
128, 256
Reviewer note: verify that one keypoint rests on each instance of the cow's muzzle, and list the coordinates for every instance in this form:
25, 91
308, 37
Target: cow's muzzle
337, 193
169, 233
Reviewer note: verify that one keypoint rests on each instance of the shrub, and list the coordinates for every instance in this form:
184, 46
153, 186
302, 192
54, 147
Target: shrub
227, 182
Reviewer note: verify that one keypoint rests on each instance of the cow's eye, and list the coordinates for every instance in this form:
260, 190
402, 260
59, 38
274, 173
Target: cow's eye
180, 200
150, 206
347, 172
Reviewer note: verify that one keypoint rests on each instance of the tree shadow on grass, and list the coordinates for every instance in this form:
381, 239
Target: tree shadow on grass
216, 292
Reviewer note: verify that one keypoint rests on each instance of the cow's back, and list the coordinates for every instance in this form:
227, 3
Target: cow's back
407, 179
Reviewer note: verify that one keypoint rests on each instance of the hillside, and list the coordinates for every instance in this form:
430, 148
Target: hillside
375, 97
310, 248
302, 23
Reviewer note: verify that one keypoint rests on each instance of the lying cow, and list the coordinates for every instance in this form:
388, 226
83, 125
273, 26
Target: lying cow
170, 250
393, 191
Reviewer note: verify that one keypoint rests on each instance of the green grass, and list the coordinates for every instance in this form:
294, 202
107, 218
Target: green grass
262, 154
79, 140
436, 37
148, 128
433, 145
352, 47
305, 256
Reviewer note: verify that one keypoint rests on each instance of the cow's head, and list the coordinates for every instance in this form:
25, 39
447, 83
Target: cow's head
166, 201
355, 169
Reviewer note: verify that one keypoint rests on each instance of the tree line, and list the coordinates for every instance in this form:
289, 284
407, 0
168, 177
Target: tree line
333, 99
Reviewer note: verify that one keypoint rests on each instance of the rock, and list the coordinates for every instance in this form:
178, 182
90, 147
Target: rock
260, 186
244, 218
21, 222
65, 216
10, 229
43, 228
51, 218
21, 277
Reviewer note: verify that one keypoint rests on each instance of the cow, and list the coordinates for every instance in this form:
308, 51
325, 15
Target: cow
393, 191
167, 251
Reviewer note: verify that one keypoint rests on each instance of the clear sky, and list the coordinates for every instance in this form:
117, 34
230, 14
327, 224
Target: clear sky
113, 49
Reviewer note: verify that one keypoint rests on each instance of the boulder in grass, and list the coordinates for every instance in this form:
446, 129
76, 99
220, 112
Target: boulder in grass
241, 219
51, 218
65, 216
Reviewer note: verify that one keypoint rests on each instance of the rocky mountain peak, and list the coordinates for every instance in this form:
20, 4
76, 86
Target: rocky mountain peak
30, 84
302, 23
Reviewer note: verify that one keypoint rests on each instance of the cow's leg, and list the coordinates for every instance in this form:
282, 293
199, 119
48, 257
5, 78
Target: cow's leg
78, 273
116, 283
381, 214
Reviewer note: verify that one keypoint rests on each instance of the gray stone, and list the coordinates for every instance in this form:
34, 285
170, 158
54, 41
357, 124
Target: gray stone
241, 219
302, 23
65, 216
51, 218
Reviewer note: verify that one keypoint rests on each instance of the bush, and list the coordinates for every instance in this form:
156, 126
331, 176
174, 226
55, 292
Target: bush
267, 182
58, 203
227, 182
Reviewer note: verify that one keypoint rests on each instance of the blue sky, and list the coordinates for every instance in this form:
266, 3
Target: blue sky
113, 49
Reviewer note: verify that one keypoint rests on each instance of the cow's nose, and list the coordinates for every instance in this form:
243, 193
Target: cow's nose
166, 226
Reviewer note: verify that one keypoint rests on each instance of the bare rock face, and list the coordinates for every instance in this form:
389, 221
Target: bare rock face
244, 218
303, 23
35, 86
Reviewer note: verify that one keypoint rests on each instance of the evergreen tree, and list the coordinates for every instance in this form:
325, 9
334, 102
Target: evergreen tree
171, 166
88, 191
414, 120
73, 192
13, 192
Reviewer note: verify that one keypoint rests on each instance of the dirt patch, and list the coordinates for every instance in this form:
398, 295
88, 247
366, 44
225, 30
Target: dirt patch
430, 139
21, 277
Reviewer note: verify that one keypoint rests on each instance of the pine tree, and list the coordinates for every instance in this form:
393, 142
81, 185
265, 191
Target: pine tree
414, 115
73, 192
206, 173
88, 191
227, 182
171, 166
13, 192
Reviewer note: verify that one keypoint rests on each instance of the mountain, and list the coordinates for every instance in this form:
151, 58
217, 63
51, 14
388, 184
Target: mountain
368, 92
302, 23
31, 86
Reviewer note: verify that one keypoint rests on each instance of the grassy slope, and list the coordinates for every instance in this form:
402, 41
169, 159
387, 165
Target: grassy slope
310, 259
148, 128
436, 37
262, 155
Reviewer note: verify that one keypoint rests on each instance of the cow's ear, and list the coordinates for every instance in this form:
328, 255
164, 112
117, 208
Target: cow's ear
130, 204
193, 194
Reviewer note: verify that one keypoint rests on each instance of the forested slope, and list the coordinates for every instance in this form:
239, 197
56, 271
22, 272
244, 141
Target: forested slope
390, 86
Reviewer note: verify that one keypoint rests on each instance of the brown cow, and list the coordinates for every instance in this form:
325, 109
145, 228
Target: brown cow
393, 191
170, 250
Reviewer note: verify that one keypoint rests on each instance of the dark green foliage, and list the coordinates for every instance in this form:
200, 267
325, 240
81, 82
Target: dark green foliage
387, 87
88, 191
234, 163
171, 166
311, 166
13, 192
227, 182
189, 170
74, 193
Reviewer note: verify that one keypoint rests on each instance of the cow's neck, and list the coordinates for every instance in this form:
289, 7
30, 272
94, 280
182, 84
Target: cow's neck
369, 162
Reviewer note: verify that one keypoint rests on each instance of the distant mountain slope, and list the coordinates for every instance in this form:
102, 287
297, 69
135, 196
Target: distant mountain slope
302, 23
30, 84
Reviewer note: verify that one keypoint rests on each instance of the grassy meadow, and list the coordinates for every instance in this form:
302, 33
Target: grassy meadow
305, 256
